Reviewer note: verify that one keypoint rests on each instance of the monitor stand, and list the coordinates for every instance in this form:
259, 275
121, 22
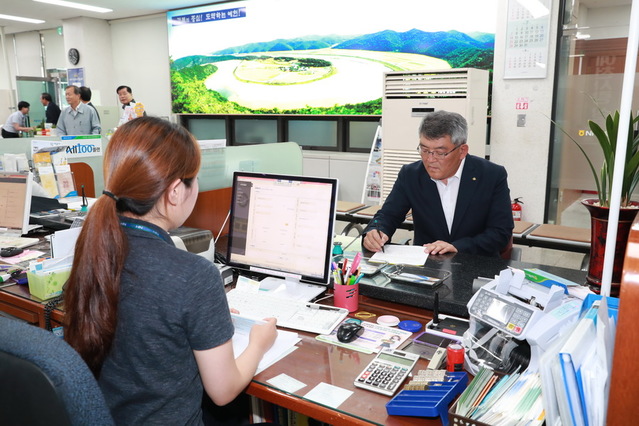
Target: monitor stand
291, 288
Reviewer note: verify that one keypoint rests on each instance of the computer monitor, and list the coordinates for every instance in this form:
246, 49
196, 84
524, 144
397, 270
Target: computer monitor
282, 225
15, 202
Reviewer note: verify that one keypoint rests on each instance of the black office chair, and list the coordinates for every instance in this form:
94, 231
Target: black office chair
43, 381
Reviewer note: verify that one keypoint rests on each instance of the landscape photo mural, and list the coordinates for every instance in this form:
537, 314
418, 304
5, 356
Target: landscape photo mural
317, 57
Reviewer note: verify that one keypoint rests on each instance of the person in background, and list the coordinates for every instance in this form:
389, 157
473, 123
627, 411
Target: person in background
17, 122
85, 97
459, 202
154, 344
77, 118
52, 111
130, 108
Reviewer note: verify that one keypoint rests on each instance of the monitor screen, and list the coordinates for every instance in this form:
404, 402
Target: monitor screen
15, 201
283, 225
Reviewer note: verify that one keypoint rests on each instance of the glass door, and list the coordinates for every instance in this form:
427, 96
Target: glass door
30, 88
591, 59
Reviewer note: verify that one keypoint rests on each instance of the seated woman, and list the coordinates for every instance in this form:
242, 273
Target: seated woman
150, 320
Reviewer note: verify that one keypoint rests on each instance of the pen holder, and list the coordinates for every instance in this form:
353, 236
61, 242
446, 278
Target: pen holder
346, 296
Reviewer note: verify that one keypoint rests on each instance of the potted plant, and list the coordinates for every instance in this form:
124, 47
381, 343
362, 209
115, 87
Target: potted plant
599, 208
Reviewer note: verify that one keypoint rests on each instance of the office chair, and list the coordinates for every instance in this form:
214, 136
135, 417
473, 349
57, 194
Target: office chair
43, 381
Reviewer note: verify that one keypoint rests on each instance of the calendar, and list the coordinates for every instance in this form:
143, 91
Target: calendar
527, 39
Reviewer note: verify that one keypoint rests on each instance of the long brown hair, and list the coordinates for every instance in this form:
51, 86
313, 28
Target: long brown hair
142, 159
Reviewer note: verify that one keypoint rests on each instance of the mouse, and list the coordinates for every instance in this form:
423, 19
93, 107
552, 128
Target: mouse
10, 251
349, 331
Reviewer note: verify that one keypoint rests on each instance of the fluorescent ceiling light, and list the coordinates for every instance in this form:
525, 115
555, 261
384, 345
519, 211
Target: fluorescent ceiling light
76, 5
21, 19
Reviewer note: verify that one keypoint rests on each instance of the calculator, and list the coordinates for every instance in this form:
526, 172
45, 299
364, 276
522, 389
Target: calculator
387, 371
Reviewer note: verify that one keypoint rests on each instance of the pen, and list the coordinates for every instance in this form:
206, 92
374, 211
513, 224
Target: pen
380, 237
355, 263
84, 201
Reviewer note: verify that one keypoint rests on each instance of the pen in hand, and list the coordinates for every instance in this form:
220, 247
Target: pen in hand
380, 237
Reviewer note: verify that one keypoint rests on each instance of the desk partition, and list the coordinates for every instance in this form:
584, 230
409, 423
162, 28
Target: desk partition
23, 146
218, 164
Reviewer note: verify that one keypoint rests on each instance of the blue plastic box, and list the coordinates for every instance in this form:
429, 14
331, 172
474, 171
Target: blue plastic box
433, 402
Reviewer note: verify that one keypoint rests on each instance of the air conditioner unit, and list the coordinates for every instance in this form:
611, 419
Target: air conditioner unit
410, 95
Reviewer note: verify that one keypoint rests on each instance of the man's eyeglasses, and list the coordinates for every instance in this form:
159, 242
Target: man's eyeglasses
438, 155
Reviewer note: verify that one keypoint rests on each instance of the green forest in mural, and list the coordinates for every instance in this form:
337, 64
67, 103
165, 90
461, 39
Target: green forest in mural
284, 74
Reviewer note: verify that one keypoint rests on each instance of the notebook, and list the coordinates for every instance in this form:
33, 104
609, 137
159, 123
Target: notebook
15, 207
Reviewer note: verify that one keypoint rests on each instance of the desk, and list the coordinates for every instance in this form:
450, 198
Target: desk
314, 361
357, 214
530, 234
456, 290
560, 237
17, 301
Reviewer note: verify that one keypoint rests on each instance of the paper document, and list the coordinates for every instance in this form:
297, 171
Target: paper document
401, 254
284, 342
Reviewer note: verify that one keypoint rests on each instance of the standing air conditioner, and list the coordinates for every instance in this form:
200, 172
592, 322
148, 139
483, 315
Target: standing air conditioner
410, 95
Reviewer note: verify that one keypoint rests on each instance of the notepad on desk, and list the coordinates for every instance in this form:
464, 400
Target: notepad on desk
284, 342
401, 254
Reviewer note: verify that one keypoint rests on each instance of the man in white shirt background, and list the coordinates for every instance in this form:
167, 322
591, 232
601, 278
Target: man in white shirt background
78, 118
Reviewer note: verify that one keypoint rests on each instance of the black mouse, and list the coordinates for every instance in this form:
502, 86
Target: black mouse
349, 331
10, 251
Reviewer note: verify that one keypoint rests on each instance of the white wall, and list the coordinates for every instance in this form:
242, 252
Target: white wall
55, 56
523, 150
92, 37
141, 52
609, 22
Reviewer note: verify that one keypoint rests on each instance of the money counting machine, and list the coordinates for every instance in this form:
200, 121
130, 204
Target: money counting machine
513, 320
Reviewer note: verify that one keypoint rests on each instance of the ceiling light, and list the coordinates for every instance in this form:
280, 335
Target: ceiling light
76, 5
21, 19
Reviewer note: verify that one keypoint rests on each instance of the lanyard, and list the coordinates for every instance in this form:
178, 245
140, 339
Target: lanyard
143, 228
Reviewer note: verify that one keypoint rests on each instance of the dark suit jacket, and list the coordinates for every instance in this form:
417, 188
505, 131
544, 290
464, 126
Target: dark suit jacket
483, 220
52, 113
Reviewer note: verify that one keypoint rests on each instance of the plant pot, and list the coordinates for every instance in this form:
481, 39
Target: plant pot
598, 232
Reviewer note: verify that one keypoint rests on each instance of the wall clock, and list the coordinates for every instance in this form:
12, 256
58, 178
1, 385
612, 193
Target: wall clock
74, 56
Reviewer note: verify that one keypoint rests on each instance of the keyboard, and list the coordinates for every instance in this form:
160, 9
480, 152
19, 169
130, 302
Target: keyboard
294, 314
17, 241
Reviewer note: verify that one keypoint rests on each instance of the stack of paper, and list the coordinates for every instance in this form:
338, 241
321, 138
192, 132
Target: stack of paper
401, 254
284, 343
42, 162
509, 400
63, 174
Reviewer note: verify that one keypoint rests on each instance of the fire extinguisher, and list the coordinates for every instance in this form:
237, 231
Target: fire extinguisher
516, 205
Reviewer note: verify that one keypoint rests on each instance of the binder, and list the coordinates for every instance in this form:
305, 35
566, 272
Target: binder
571, 361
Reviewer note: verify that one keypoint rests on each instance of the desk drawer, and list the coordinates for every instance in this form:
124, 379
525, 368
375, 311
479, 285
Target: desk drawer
25, 315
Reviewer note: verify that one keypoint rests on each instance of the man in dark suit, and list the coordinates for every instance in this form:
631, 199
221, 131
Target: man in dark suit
459, 202
53, 111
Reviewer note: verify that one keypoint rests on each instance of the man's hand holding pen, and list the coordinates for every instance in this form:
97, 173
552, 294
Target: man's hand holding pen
375, 240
